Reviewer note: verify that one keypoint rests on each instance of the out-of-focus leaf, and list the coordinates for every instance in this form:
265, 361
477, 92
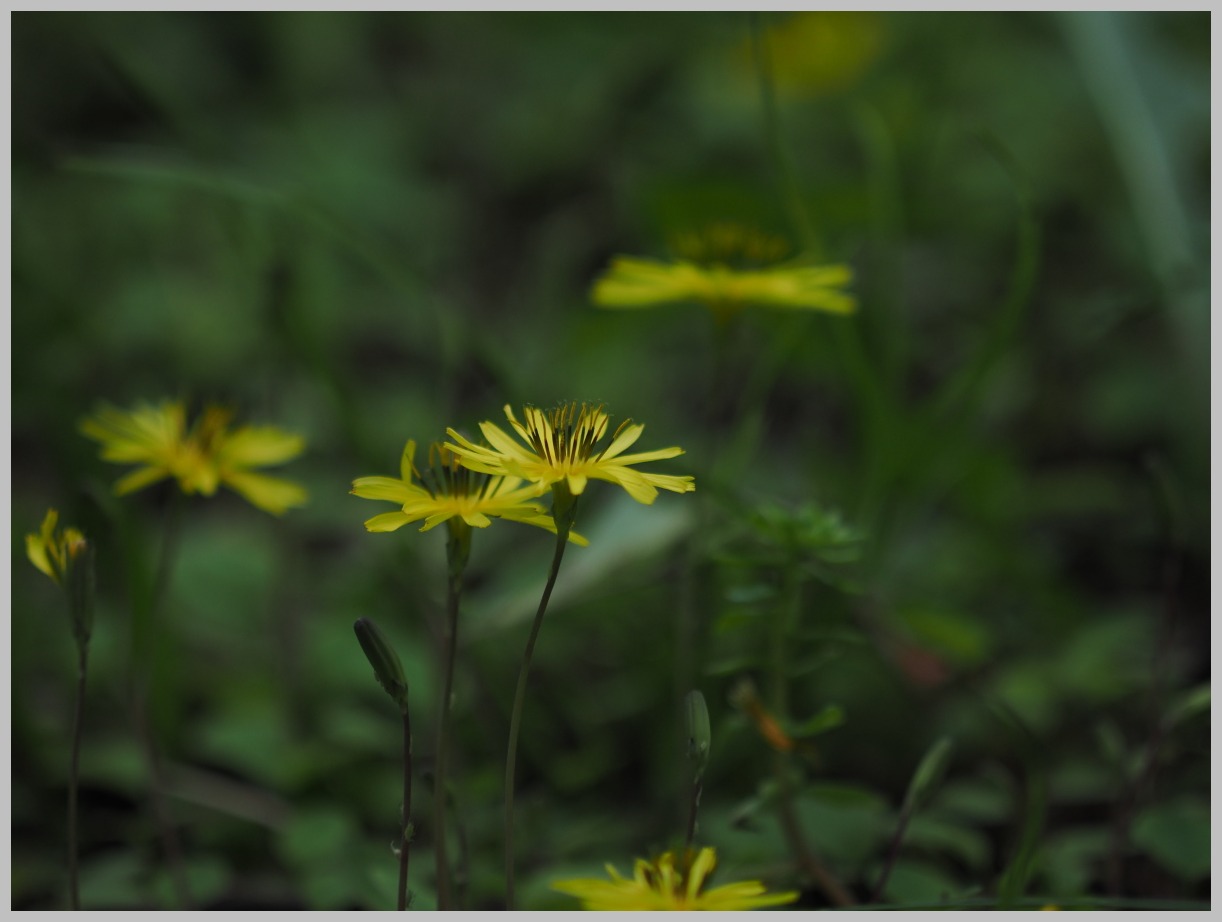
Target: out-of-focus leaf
1176, 834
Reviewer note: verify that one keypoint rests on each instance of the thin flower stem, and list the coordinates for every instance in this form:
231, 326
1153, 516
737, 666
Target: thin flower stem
790, 193
74, 768
144, 653
406, 818
453, 595
519, 699
692, 810
893, 853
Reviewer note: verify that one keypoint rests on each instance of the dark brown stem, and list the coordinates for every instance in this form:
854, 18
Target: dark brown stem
807, 860
405, 819
74, 773
453, 594
519, 699
893, 853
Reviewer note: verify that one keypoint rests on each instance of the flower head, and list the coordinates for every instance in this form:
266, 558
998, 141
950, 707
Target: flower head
670, 883
201, 458
725, 268
66, 557
447, 490
53, 550
562, 445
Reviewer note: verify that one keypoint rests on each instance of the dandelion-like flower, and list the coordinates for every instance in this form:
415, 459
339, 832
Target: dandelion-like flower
53, 550
563, 446
200, 459
670, 883
447, 490
725, 268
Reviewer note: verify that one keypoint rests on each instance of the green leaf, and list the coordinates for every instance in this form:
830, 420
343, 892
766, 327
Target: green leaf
927, 775
1177, 836
828, 718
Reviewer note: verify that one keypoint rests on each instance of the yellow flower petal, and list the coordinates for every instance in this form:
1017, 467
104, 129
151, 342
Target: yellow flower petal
260, 447
667, 883
271, 494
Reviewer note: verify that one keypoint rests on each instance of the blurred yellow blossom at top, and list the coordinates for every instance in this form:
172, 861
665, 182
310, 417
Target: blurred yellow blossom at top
670, 883
201, 458
820, 52
725, 267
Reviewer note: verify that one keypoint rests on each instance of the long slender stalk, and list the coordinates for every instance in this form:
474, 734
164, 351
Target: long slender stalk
787, 175
693, 810
519, 699
406, 818
144, 677
893, 853
74, 771
453, 594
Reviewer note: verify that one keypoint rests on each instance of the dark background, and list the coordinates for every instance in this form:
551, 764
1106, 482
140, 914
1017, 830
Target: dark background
368, 227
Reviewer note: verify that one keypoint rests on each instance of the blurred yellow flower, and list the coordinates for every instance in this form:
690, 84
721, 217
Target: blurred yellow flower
725, 267
816, 53
53, 551
201, 459
664, 885
563, 447
448, 490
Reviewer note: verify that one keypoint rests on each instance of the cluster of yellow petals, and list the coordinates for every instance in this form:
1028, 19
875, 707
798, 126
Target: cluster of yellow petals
52, 550
562, 445
668, 883
452, 491
632, 282
200, 458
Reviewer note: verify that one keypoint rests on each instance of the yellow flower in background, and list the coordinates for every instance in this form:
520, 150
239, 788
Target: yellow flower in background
725, 267
200, 458
52, 550
664, 884
448, 490
563, 446
818, 53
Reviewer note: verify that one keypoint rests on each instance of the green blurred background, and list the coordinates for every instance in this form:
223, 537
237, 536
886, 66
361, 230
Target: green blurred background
368, 227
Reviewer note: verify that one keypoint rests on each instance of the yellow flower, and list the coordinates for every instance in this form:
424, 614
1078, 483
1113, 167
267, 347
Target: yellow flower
201, 459
53, 551
563, 447
661, 885
450, 490
725, 267
633, 282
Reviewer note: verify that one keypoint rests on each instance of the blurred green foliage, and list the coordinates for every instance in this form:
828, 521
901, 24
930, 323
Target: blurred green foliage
978, 508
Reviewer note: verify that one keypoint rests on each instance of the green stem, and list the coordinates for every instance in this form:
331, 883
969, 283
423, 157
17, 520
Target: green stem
74, 768
405, 820
790, 192
693, 810
564, 522
804, 854
145, 677
453, 594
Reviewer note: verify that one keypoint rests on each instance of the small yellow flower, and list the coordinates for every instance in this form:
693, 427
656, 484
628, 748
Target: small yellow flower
663, 885
450, 490
201, 459
563, 447
725, 267
53, 551
633, 282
